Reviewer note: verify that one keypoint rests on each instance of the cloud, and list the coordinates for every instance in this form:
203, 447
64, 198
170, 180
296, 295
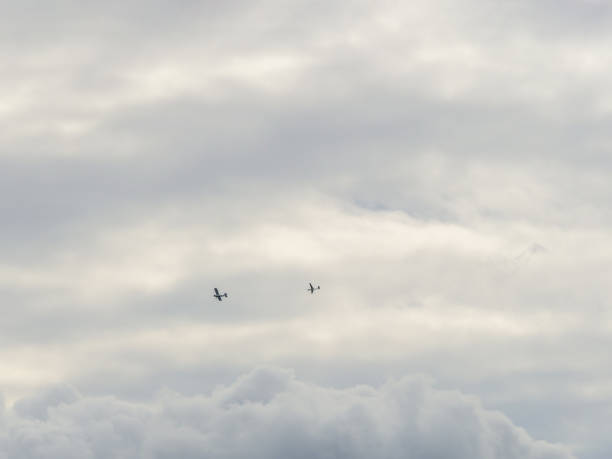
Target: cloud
268, 413
401, 154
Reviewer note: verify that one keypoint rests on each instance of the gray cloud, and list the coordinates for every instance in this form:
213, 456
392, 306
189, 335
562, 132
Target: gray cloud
400, 154
268, 413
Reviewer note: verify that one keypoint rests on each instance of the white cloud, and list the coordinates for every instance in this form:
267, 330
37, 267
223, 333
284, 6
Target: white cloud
269, 414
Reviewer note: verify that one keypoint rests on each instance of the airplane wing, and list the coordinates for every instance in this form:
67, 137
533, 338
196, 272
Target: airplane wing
311, 287
216, 291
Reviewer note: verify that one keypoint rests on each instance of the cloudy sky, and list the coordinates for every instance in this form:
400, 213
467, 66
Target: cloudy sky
441, 168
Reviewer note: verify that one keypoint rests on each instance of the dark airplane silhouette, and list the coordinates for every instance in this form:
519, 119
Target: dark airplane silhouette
218, 295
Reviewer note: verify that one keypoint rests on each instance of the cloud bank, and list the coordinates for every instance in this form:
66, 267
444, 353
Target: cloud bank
269, 414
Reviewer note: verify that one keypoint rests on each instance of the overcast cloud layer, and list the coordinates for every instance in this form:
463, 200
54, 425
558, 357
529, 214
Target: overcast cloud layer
440, 168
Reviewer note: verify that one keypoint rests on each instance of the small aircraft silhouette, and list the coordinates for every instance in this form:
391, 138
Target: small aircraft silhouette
218, 295
311, 289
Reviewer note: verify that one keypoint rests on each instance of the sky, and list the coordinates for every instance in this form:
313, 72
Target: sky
440, 168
